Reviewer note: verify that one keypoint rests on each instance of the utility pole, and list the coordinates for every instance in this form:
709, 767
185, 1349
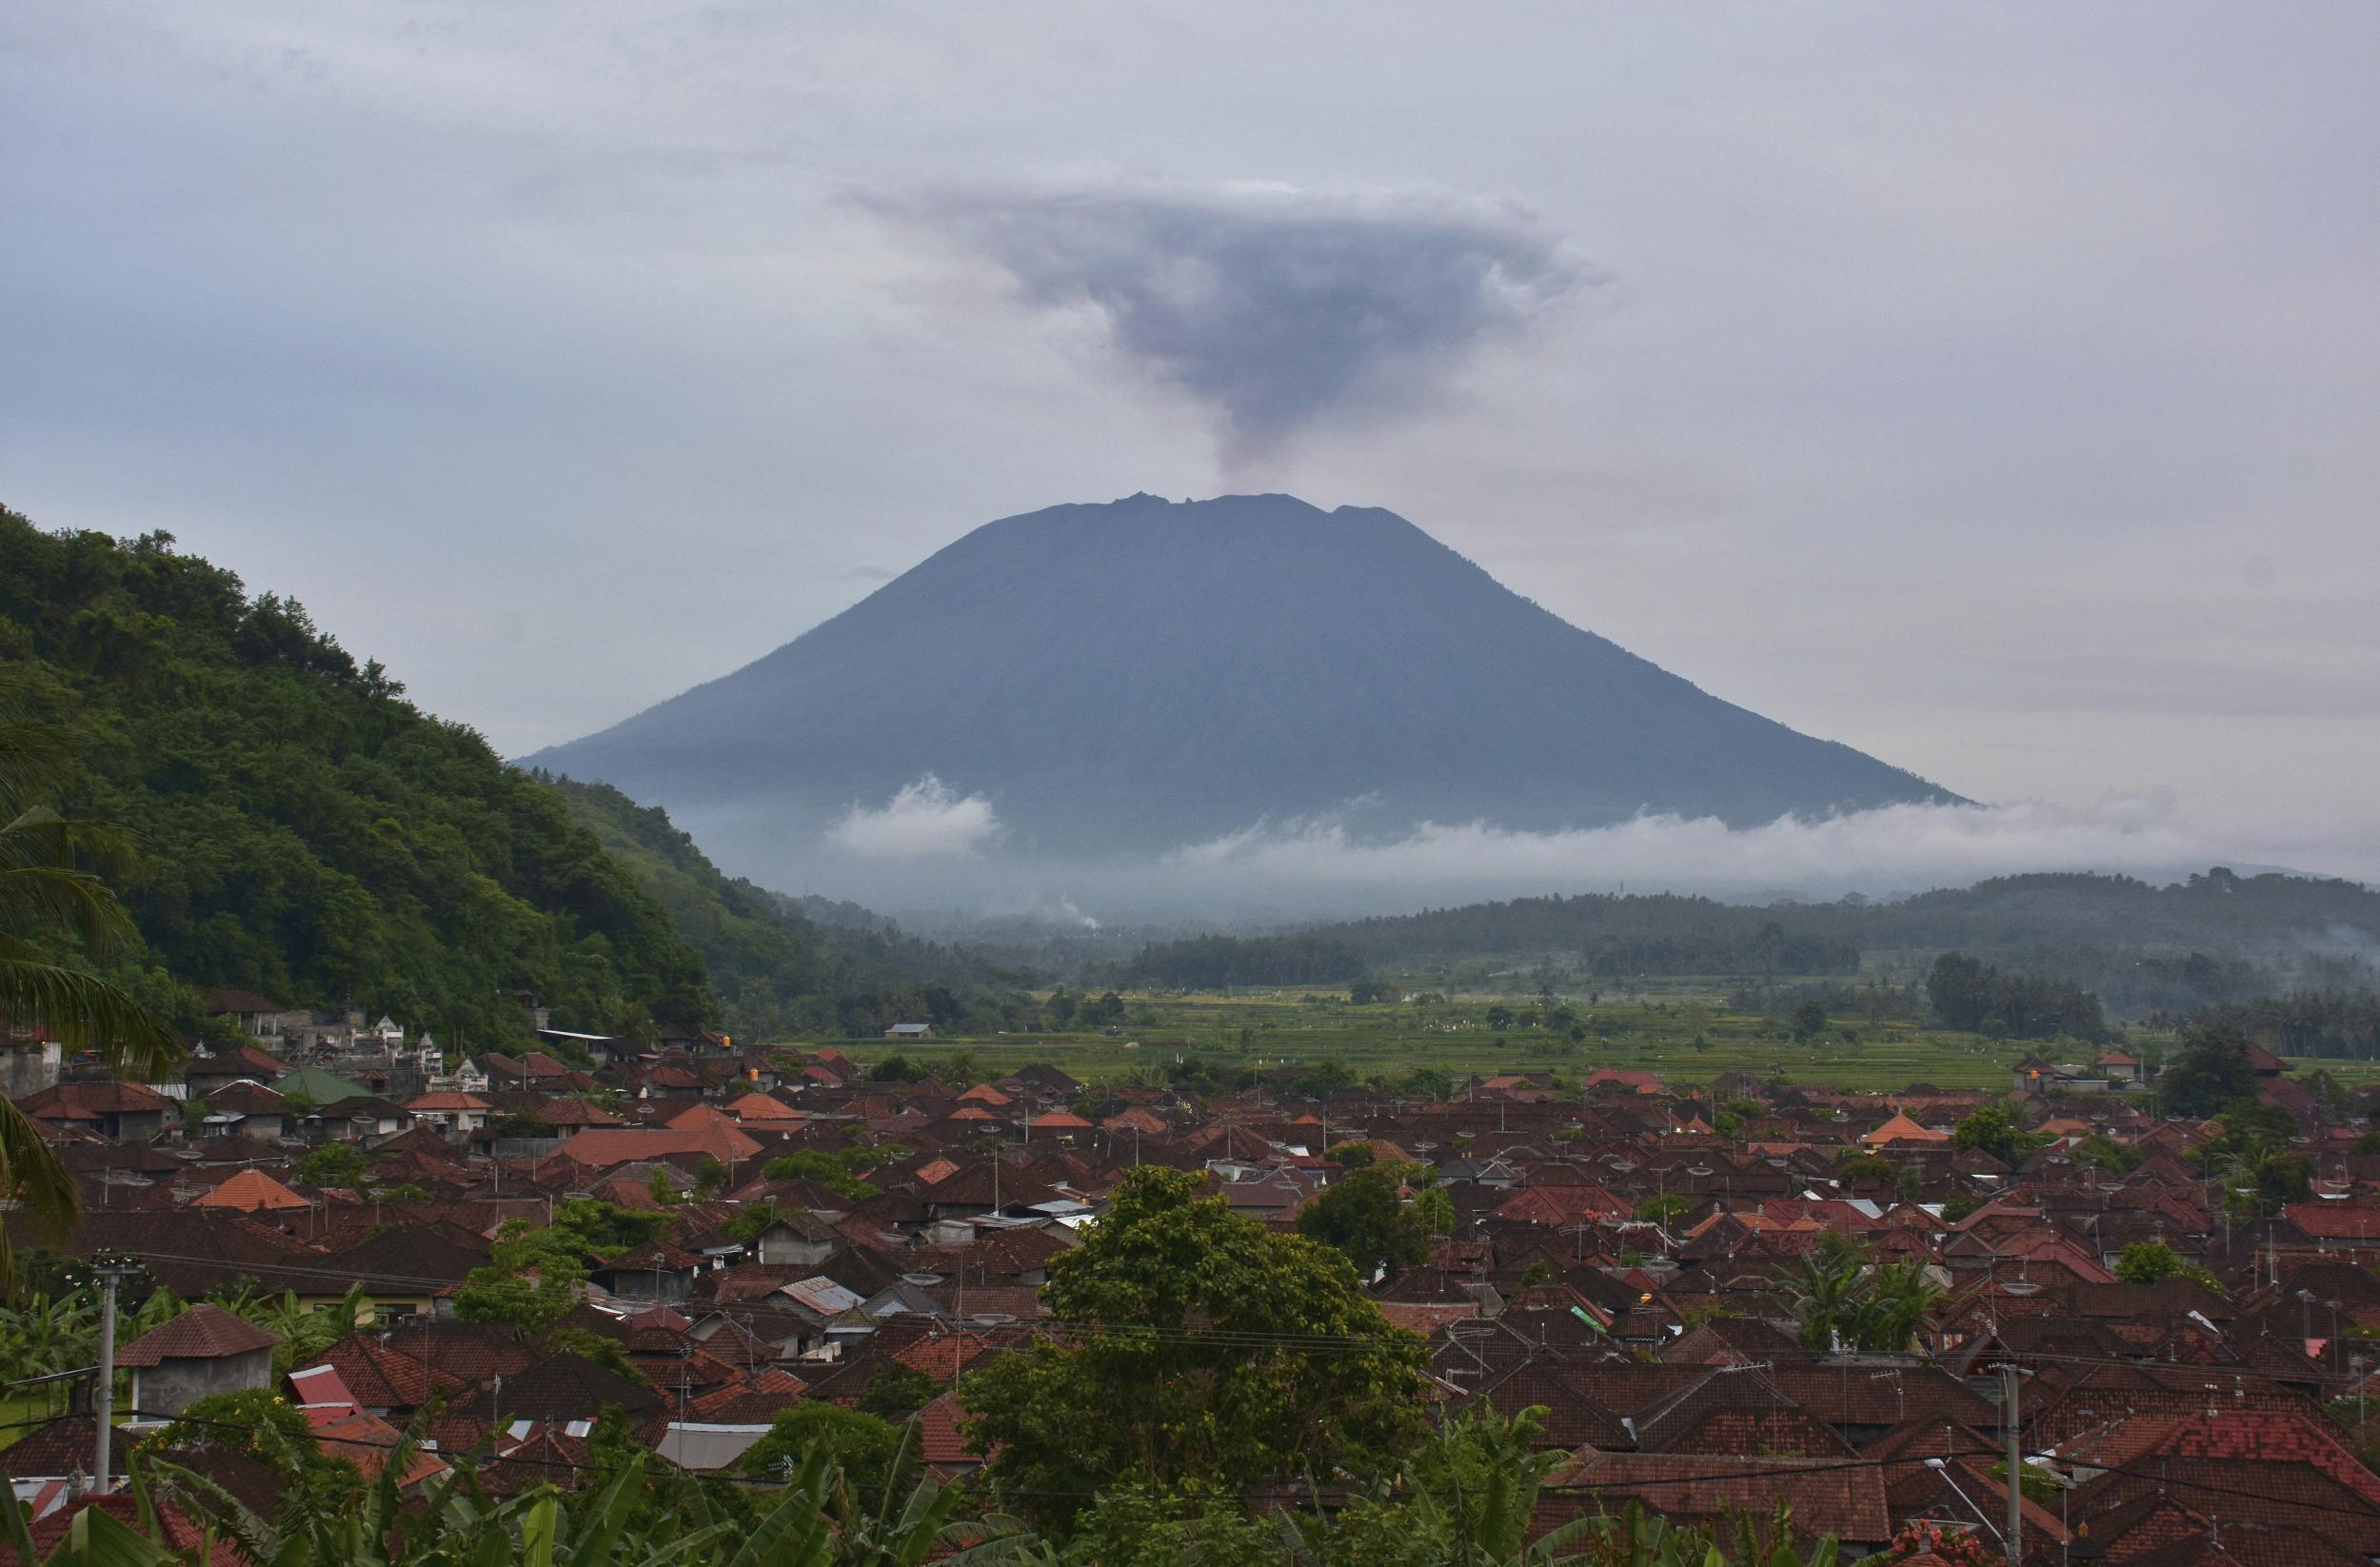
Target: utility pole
109, 1271
2014, 1543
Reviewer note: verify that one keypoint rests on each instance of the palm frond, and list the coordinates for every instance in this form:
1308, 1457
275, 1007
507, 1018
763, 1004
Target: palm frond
52, 897
39, 835
88, 1012
37, 1178
36, 760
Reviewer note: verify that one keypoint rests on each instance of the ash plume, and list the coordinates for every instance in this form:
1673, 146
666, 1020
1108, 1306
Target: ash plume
1274, 308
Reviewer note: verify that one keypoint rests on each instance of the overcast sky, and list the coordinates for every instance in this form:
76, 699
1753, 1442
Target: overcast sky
1992, 387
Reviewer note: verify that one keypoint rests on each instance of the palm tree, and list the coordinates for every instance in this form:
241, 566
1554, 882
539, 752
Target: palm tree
47, 887
1822, 1287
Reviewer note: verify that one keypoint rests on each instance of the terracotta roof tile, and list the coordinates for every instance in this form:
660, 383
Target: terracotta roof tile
202, 1333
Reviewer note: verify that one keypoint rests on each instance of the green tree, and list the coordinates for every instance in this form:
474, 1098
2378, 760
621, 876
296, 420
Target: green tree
2213, 1072
1361, 1215
258, 1425
1434, 1211
1483, 1471
1427, 1083
896, 1068
895, 1392
335, 1164
1665, 1208
861, 1445
2152, 1261
1994, 1129
751, 1220
599, 1349
1192, 1363
2102, 1152
1840, 1297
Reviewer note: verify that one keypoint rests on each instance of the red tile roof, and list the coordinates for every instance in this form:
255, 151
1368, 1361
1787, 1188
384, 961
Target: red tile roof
603, 1147
252, 1191
941, 1440
202, 1333
1846, 1500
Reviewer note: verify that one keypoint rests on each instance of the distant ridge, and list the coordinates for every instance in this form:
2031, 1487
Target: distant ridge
1141, 675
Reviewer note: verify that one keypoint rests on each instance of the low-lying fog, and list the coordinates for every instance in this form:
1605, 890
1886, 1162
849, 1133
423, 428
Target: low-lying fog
931, 849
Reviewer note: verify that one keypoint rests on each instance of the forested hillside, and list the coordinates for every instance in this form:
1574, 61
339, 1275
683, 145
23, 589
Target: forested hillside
306, 832
776, 973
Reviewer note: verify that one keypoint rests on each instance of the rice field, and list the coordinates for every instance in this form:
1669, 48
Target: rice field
1685, 1035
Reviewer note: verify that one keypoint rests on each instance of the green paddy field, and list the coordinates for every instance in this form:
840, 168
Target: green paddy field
1687, 1035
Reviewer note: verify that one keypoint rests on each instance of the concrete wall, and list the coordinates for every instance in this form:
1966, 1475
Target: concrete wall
26, 1069
783, 1248
171, 1387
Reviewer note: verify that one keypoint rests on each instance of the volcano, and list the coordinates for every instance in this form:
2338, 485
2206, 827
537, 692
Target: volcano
1133, 677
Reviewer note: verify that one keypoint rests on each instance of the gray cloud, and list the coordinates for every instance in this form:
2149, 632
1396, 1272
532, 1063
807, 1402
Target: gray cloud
1275, 308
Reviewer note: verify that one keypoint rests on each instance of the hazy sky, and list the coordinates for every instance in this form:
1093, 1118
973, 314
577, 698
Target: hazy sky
1992, 387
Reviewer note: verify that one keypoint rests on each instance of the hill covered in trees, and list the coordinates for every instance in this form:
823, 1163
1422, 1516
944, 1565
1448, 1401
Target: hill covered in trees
304, 831
777, 972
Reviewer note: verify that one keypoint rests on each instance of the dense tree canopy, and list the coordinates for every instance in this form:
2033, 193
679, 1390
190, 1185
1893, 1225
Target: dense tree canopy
307, 833
1195, 1350
2211, 1072
1361, 1215
1970, 994
1995, 1130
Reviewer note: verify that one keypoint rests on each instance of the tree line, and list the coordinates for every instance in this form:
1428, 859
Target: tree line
1972, 995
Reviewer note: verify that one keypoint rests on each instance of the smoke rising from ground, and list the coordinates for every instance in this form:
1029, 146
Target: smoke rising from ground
1275, 309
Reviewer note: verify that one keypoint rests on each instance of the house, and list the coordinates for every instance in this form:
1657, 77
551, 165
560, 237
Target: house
209, 1074
910, 1031
468, 1077
655, 1271
797, 1240
449, 1110
251, 1192
121, 1112
204, 1351
2035, 1075
365, 1118
1901, 1132
256, 1016
2118, 1067
316, 1086
603, 1147
248, 1110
